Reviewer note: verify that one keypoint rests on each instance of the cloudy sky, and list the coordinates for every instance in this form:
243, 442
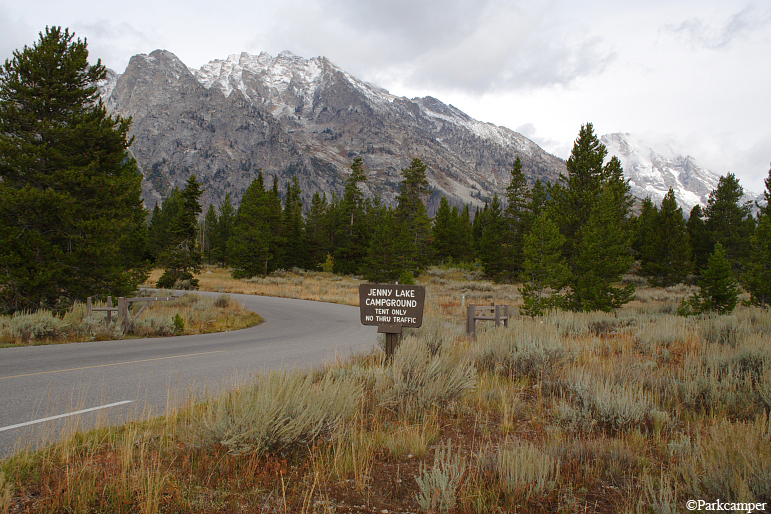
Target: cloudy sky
693, 75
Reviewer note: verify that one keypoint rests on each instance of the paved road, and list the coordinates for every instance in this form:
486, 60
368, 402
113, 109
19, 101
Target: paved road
119, 380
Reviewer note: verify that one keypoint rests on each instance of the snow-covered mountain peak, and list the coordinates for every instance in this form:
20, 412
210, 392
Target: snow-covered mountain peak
654, 167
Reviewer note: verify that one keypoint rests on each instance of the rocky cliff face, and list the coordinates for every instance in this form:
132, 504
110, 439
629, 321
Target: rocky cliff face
307, 118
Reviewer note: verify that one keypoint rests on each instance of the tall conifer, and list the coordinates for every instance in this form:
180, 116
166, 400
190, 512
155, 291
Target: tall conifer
72, 223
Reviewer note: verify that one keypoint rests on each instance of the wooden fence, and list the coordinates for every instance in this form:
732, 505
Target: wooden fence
498, 313
122, 311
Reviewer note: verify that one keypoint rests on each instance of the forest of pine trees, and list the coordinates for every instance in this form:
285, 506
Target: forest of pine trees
65, 169
569, 243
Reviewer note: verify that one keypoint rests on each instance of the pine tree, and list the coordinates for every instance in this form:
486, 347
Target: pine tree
160, 224
72, 223
464, 247
701, 246
443, 231
592, 209
757, 279
545, 271
295, 254
719, 290
250, 244
603, 256
412, 218
182, 257
209, 234
225, 221
317, 231
493, 247
353, 231
729, 222
644, 228
277, 239
765, 207
574, 200
666, 255
515, 215
384, 264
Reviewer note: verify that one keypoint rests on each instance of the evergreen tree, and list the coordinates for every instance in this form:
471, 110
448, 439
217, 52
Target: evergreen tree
412, 218
249, 246
665, 258
464, 248
384, 264
182, 257
603, 256
701, 246
644, 228
765, 208
295, 254
353, 231
493, 248
573, 201
592, 209
160, 224
317, 231
72, 223
537, 204
444, 231
225, 222
757, 279
209, 233
277, 239
545, 271
728, 221
515, 215
719, 290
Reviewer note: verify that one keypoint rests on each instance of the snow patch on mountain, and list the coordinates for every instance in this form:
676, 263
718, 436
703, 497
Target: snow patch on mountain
652, 172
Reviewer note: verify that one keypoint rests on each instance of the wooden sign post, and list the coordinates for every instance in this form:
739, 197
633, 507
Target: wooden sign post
391, 307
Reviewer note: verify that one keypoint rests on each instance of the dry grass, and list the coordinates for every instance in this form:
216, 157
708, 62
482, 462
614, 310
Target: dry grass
188, 314
634, 411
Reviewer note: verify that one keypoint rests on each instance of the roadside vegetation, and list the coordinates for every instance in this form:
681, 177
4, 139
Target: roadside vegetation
638, 410
185, 315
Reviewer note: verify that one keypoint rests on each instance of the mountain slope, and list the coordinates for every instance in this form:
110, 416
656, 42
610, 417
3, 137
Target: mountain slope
651, 172
291, 116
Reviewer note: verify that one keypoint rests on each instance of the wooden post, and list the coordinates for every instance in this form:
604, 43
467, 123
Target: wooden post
123, 311
392, 341
470, 321
497, 315
89, 305
507, 314
109, 313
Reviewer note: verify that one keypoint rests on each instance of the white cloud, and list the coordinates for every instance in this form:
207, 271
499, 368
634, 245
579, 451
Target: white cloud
692, 71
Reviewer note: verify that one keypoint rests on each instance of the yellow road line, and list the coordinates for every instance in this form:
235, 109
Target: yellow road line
113, 364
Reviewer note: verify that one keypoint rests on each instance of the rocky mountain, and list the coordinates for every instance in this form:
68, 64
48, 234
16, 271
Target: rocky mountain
651, 172
307, 118
304, 118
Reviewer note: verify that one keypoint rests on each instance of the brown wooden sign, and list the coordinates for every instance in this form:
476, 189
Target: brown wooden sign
392, 304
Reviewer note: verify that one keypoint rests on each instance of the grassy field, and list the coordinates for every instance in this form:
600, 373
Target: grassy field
636, 411
186, 315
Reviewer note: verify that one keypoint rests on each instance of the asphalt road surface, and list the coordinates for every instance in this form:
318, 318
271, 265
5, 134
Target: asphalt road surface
46, 391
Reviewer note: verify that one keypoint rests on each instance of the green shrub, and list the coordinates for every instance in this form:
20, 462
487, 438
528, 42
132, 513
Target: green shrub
526, 348
614, 407
179, 324
524, 469
438, 484
417, 380
281, 412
